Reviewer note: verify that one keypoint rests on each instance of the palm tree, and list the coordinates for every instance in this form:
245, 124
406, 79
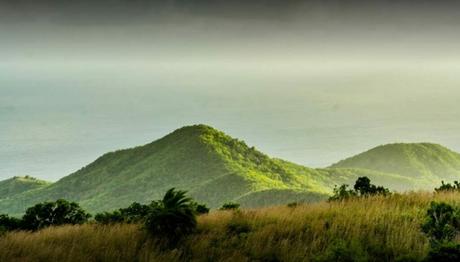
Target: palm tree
173, 216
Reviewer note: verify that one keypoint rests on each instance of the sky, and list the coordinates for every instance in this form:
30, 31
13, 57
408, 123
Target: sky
310, 82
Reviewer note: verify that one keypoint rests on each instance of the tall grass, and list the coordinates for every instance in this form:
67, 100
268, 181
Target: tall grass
370, 229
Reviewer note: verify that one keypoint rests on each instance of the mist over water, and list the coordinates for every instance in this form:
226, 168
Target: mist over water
310, 87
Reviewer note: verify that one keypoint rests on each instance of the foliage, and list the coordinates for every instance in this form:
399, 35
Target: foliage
362, 188
172, 217
52, 214
110, 217
374, 228
445, 252
442, 222
230, 206
448, 187
200, 209
342, 193
18, 185
8, 223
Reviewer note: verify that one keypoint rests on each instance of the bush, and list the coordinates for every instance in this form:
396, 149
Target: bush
8, 223
201, 209
442, 222
448, 187
446, 252
135, 213
230, 206
172, 217
362, 188
342, 193
52, 214
109, 217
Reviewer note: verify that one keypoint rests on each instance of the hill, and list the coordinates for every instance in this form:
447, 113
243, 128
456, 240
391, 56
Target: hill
423, 162
366, 229
211, 165
20, 184
216, 168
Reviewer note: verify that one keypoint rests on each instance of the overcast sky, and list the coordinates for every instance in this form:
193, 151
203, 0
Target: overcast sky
311, 83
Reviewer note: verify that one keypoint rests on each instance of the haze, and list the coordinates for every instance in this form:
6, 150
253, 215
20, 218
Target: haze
309, 87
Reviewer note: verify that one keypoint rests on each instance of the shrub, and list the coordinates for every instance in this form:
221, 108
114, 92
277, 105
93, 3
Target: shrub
442, 222
342, 193
362, 188
8, 223
238, 227
448, 187
445, 252
293, 204
135, 213
109, 217
172, 217
52, 214
201, 209
230, 206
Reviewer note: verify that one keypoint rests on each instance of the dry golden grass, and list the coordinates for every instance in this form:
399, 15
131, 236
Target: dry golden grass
375, 229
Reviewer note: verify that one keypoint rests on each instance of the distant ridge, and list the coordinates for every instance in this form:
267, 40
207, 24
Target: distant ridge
415, 160
20, 184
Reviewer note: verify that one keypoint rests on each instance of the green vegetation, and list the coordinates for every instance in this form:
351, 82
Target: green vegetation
374, 228
230, 206
215, 168
17, 185
362, 188
448, 187
424, 163
172, 217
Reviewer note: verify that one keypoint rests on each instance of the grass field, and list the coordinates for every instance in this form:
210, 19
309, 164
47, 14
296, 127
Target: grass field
368, 229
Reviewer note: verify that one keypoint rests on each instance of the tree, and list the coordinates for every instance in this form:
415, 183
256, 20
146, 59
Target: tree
172, 217
8, 223
52, 214
362, 188
200, 209
135, 213
341, 193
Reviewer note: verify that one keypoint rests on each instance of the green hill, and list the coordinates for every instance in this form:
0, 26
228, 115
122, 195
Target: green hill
216, 168
20, 184
425, 163
212, 166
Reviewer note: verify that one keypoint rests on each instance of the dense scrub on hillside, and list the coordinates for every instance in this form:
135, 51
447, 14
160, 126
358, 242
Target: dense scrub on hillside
374, 228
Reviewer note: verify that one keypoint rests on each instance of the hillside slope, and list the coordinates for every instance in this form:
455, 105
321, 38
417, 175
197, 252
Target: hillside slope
20, 184
422, 162
212, 166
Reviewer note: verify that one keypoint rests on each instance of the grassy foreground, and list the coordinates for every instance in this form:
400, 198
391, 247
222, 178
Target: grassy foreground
369, 229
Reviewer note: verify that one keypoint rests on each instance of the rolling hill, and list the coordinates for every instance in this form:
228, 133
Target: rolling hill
20, 184
216, 168
423, 162
212, 166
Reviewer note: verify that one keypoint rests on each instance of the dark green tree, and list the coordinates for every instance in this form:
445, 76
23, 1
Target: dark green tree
52, 214
172, 217
8, 223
